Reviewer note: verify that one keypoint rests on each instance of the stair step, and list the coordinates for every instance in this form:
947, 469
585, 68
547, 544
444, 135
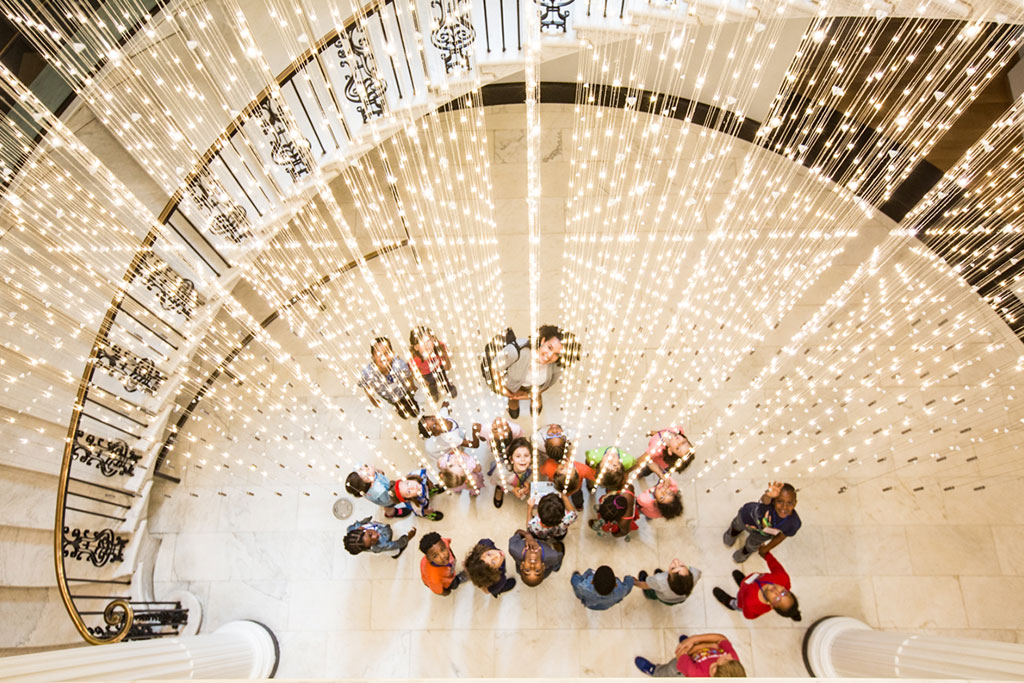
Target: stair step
29, 498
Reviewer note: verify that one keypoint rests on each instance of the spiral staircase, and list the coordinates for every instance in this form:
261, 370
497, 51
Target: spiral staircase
93, 416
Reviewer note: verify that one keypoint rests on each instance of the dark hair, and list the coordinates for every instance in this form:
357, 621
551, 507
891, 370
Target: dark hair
428, 541
554, 451
499, 446
559, 480
613, 507
604, 580
423, 430
416, 335
513, 447
551, 509
673, 509
613, 481
793, 612
355, 485
788, 488
354, 541
545, 332
680, 585
481, 573
379, 340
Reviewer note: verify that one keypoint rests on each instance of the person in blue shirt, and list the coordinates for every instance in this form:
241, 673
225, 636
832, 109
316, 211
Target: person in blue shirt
598, 589
374, 485
374, 537
769, 521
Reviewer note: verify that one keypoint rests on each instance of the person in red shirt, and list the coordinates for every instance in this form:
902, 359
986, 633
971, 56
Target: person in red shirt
760, 593
437, 566
706, 656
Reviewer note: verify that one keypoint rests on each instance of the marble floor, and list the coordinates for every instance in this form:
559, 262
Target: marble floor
897, 561
911, 530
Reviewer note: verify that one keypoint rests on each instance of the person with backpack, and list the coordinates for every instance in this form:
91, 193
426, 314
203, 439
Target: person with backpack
521, 365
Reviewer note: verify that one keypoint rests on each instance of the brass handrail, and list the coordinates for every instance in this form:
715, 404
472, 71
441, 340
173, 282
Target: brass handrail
120, 611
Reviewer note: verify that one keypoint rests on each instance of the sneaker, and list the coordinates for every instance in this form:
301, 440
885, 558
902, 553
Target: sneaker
729, 538
644, 665
740, 556
737, 576
723, 597
435, 515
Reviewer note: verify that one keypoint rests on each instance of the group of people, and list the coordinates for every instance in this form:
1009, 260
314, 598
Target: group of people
543, 471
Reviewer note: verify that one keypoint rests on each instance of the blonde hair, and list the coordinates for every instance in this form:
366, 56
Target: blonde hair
730, 669
452, 480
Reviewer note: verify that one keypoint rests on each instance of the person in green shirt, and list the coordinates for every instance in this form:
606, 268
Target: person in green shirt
611, 464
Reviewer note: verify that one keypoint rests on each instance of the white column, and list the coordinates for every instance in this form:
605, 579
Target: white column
240, 649
843, 647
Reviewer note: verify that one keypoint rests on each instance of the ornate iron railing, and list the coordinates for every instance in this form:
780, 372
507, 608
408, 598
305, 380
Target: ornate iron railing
343, 87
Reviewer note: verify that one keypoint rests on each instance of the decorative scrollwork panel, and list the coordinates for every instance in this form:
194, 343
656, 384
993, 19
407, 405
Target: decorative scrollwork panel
285, 151
228, 219
174, 292
553, 15
453, 33
363, 85
134, 372
110, 456
98, 547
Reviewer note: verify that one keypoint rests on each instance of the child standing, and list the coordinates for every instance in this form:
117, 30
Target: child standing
617, 513
518, 465
668, 449
671, 587
568, 476
374, 485
706, 656
761, 593
437, 566
611, 465
431, 357
598, 589
661, 500
551, 517
499, 435
366, 535
415, 490
442, 434
485, 565
460, 471
769, 521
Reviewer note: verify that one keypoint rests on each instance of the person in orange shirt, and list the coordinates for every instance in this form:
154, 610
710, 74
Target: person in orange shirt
576, 472
437, 566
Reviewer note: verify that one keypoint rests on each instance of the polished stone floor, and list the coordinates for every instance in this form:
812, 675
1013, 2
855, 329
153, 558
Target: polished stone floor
906, 526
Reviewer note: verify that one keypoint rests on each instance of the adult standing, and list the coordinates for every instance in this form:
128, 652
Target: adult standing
389, 378
524, 365
534, 559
